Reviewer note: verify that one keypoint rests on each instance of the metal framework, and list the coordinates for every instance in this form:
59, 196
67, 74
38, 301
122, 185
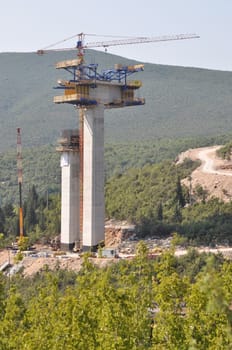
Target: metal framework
80, 71
90, 72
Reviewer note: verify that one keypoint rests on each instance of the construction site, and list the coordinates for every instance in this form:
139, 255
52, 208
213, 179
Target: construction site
81, 150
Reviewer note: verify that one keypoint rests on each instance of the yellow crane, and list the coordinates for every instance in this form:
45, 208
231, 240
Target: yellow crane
81, 45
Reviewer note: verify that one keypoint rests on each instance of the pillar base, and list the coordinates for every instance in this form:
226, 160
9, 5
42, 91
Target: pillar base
86, 248
67, 247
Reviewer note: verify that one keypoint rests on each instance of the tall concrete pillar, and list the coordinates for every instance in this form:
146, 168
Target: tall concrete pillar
91, 93
69, 196
93, 177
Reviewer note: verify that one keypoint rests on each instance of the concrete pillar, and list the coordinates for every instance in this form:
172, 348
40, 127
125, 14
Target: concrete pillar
69, 199
93, 177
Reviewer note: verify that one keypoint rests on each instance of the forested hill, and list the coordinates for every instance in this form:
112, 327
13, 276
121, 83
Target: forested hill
179, 101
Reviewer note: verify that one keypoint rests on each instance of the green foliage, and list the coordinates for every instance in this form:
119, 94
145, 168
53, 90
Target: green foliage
23, 243
136, 154
137, 195
225, 151
180, 200
178, 240
41, 220
191, 264
18, 257
154, 199
137, 304
209, 311
40, 168
207, 223
170, 303
41, 164
200, 193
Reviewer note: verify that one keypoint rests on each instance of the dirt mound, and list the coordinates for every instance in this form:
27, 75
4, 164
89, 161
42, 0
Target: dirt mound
117, 231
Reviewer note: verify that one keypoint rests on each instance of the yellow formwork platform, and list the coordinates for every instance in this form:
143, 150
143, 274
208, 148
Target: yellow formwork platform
67, 63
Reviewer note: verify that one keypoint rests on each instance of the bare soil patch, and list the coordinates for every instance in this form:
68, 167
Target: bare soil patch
214, 173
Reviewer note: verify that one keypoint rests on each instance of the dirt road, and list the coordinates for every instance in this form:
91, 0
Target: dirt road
214, 174
209, 162
207, 157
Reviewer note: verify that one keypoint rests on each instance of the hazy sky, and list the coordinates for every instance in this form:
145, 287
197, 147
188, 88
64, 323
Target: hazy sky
28, 25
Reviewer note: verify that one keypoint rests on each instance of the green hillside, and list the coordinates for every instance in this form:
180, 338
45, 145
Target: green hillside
180, 102
185, 107
41, 165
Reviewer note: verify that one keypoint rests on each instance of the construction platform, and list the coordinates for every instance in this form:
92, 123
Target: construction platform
91, 93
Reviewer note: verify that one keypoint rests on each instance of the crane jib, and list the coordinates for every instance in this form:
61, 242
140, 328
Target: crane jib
129, 41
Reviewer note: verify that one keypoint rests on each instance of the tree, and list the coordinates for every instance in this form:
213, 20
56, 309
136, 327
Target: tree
169, 320
200, 193
180, 200
2, 220
10, 326
160, 211
177, 215
209, 316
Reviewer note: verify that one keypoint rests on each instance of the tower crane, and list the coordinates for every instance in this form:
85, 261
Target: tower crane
80, 71
81, 45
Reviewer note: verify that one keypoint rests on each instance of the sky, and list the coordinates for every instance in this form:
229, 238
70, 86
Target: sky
27, 25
